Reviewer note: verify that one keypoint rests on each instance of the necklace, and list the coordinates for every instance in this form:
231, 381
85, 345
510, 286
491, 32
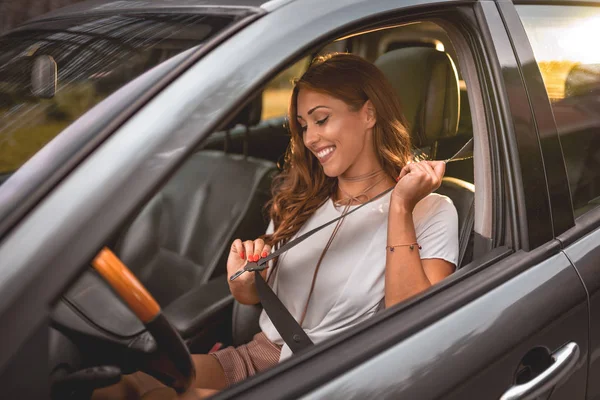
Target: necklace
362, 195
361, 177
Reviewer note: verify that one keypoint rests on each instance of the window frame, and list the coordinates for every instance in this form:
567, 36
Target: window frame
555, 169
567, 227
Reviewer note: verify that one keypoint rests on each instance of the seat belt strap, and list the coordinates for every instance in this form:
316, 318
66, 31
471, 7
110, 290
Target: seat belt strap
290, 330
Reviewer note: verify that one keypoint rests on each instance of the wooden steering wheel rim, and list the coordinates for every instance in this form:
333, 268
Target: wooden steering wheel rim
127, 286
175, 362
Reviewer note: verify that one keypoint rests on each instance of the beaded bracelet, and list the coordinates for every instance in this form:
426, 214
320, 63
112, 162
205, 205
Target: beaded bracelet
409, 245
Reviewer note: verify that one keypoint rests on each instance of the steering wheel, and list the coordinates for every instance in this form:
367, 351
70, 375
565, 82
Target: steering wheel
175, 367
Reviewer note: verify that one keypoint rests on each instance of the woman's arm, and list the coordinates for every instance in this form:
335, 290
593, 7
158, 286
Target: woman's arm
405, 273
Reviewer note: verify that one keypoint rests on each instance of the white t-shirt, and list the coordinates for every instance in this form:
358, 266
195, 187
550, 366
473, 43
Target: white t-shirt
350, 282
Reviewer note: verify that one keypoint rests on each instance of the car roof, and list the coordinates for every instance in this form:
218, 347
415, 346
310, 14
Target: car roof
104, 6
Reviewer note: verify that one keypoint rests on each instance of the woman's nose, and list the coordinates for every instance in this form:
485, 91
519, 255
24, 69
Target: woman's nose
311, 136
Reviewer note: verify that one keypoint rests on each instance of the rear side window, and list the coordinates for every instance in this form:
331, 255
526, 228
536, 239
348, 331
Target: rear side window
564, 41
83, 61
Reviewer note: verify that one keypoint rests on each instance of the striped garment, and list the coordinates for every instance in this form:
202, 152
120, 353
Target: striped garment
246, 360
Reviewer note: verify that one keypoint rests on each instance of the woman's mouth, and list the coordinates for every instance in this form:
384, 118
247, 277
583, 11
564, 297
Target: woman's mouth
325, 154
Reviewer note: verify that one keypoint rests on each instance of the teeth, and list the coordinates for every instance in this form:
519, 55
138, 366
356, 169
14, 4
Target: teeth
326, 151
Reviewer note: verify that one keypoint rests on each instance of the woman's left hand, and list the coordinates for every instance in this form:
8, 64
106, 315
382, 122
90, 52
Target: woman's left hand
416, 181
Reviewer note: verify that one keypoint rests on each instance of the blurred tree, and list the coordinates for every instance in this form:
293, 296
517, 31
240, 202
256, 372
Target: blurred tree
15, 12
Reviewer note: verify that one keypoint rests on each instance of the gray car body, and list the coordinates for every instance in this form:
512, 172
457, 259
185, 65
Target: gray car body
464, 339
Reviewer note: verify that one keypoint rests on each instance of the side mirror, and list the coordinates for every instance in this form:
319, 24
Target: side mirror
44, 75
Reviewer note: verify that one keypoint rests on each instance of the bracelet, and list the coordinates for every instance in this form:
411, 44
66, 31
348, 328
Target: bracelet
409, 245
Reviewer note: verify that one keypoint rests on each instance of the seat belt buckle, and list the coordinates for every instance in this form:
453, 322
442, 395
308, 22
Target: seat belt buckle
251, 266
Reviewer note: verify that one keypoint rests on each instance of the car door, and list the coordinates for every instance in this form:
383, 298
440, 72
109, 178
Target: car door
559, 36
467, 337
513, 323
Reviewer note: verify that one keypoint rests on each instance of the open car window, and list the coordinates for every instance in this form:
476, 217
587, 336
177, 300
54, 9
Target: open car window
92, 57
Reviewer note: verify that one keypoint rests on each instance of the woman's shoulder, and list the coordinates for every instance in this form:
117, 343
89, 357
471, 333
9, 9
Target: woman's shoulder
434, 204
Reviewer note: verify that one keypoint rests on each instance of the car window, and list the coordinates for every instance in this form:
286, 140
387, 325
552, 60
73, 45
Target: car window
276, 95
85, 60
563, 41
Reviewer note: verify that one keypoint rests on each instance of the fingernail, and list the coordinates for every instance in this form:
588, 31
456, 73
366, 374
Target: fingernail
264, 254
256, 257
242, 254
397, 179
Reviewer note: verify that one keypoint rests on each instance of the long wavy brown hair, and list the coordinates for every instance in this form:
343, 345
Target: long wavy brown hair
302, 187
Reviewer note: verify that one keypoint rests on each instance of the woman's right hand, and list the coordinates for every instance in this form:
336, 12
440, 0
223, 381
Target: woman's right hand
242, 287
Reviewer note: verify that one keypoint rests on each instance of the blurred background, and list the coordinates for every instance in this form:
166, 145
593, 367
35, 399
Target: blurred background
14, 12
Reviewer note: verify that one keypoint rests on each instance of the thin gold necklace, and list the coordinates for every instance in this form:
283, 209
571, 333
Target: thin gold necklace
346, 201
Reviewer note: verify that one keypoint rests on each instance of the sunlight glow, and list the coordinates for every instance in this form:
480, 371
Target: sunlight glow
561, 37
579, 41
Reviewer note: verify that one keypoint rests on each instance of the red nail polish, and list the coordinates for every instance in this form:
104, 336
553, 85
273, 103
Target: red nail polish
242, 254
264, 254
256, 258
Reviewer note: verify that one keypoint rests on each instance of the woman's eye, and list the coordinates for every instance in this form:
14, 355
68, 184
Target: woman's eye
322, 121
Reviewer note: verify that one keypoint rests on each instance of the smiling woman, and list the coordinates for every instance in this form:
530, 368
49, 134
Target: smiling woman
327, 104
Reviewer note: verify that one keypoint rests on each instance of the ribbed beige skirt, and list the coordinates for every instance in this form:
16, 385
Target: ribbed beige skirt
246, 360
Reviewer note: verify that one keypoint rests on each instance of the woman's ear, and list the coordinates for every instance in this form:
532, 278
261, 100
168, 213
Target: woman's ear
370, 114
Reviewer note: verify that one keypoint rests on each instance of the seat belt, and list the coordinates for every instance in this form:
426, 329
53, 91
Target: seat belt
290, 330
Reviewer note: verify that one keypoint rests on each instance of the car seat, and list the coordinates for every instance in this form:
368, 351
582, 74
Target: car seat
182, 236
426, 83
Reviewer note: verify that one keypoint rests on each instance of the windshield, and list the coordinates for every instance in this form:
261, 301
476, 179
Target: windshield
90, 58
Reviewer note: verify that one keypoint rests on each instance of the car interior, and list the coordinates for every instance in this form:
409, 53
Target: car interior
177, 244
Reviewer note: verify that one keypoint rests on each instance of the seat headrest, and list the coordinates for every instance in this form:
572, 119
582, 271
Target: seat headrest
582, 79
249, 115
426, 82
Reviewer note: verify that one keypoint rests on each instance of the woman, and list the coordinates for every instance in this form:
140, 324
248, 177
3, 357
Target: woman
349, 143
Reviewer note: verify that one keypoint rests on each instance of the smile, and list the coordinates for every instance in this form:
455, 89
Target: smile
325, 154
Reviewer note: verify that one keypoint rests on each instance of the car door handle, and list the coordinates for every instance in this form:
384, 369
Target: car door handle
565, 360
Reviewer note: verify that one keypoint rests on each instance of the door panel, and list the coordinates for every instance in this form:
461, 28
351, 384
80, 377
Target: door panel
585, 255
474, 352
